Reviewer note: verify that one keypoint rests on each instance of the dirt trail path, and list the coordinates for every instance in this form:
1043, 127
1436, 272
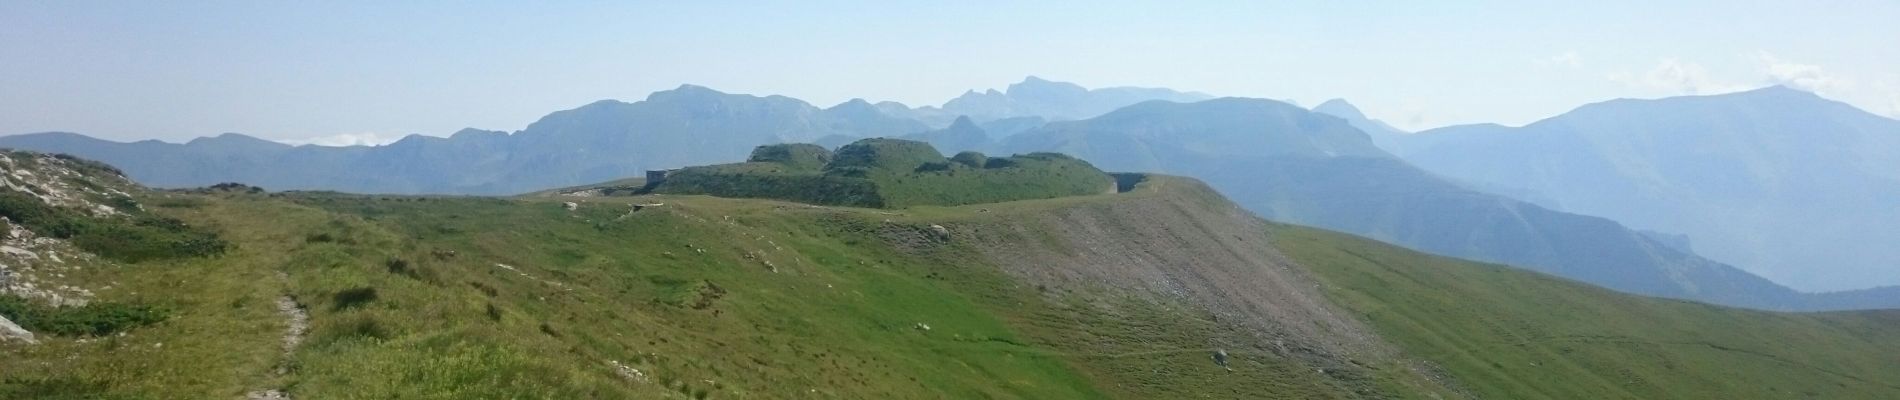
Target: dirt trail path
297, 322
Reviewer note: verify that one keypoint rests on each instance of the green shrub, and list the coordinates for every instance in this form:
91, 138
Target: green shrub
933, 167
971, 159
355, 327
96, 319
172, 201
131, 238
232, 187
885, 155
59, 388
353, 298
798, 156
29, 211
146, 238
122, 203
848, 172
808, 187
400, 266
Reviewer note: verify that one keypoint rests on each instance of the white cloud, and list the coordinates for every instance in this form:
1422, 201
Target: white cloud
346, 139
1414, 117
1673, 77
1807, 77
1890, 87
1567, 59
1679, 77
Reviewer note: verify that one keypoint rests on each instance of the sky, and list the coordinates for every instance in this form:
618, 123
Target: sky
347, 72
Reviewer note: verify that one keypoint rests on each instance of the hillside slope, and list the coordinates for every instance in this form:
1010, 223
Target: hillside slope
1174, 244
1165, 290
331, 295
1506, 333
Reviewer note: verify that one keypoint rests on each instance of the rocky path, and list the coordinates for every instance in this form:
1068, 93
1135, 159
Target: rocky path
297, 322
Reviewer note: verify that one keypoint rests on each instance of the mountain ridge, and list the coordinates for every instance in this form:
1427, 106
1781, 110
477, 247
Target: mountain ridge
1322, 172
597, 141
1773, 179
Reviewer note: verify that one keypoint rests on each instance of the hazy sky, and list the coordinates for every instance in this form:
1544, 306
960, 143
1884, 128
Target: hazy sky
348, 71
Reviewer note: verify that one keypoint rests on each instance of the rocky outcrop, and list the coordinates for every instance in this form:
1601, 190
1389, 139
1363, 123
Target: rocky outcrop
36, 267
10, 332
57, 181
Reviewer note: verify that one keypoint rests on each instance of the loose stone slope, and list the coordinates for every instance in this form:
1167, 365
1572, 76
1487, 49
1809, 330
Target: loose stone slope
35, 266
1174, 242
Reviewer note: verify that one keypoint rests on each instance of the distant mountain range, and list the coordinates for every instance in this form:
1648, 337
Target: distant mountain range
1035, 97
1800, 189
608, 139
1276, 159
1036, 100
604, 140
1292, 165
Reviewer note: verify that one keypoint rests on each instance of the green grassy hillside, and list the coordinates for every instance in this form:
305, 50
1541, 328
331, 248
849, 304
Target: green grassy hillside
1506, 333
889, 173
700, 298
481, 298
1124, 295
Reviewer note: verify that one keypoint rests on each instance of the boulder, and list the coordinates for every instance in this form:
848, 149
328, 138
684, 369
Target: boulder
11, 332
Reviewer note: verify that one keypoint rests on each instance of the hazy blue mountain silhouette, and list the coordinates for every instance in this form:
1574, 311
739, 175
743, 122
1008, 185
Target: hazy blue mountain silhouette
1293, 165
1793, 186
1384, 135
690, 125
1037, 97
